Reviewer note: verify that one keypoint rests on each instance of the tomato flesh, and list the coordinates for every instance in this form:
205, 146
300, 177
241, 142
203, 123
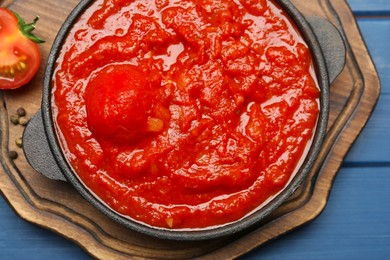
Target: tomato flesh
131, 99
19, 56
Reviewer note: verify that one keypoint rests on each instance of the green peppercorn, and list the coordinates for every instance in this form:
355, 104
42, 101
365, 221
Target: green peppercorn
19, 142
23, 121
14, 119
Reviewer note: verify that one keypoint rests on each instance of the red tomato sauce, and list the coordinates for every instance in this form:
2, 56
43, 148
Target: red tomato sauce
185, 114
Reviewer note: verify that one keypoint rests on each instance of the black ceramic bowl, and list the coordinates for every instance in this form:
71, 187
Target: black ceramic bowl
44, 152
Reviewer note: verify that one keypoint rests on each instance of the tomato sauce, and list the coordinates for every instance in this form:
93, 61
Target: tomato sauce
185, 114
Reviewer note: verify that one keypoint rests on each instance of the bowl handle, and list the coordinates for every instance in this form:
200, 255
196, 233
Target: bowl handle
331, 44
37, 150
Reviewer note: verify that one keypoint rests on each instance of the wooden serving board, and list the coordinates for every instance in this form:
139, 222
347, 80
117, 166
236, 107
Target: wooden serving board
55, 205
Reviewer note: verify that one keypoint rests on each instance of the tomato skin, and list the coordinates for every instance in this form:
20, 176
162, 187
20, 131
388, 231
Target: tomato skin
19, 56
130, 99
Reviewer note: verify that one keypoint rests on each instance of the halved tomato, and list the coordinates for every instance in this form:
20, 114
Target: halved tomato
19, 54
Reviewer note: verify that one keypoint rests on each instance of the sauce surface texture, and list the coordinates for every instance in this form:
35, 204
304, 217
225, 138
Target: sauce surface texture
185, 114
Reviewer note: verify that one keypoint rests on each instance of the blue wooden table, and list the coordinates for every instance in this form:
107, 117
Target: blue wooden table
354, 225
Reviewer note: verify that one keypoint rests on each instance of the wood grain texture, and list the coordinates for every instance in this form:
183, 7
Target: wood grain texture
56, 206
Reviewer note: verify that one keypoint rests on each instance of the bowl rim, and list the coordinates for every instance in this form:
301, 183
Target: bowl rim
204, 234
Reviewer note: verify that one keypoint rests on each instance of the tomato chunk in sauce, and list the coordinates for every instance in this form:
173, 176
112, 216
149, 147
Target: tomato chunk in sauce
185, 114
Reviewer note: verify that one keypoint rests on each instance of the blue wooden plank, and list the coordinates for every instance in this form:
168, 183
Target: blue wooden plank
370, 7
374, 140
376, 33
372, 146
22, 240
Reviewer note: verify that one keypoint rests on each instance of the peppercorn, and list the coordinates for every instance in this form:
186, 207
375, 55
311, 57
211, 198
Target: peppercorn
21, 111
23, 121
19, 142
13, 154
14, 119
